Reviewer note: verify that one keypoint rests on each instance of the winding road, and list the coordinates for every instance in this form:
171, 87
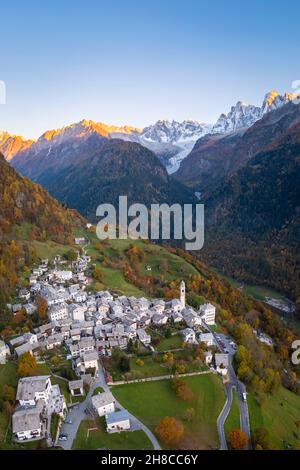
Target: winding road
223, 416
233, 382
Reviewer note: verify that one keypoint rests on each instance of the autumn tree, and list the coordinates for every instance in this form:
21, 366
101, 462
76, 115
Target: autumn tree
55, 360
180, 368
135, 254
42, 307
182, 390
97, 274
7, 331
19, 317
237, 439
71, 255
27, 365
168, 360
170, 430
8, 409
9, 393
261, 439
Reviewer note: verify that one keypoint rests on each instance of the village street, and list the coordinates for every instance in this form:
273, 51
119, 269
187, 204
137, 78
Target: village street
229, 386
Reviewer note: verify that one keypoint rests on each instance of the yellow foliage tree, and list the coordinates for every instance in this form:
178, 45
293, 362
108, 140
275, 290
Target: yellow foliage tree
27, 365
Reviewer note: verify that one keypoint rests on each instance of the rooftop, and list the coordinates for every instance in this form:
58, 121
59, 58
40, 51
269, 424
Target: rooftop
90, 356
75, 384
26, 420
117, 416
102, 399
28, 386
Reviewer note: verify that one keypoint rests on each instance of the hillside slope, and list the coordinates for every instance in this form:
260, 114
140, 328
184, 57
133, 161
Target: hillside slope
27, 212
115, 168
216, 156
253, 219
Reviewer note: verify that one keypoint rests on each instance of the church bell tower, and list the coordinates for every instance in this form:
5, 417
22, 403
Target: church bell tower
182, 293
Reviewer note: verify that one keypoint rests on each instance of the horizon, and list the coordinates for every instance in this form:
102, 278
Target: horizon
132, 125
133, 64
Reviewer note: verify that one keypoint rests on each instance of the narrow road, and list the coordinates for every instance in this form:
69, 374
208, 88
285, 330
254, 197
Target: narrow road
240, 388
223, 416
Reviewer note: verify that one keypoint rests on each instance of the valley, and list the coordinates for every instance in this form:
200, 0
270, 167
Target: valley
110, 258
85, 164
149, 232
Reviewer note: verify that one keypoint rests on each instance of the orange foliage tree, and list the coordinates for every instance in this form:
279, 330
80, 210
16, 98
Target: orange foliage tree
42, 307
182, 390
27, 365
237, 439
170, 430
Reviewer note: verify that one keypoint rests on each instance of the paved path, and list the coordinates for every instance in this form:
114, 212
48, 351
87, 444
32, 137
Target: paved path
77, 414
159, 377
223, 416
234, 382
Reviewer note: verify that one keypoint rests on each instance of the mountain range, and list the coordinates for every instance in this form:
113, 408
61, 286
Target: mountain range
245, 168
112, 168
253, 215
171, 141
216, 155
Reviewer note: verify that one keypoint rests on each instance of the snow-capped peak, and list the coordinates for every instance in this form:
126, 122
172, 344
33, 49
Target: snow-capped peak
243, 115
174, 131
273, 100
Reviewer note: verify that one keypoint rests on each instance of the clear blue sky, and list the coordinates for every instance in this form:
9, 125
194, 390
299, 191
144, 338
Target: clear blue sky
136, 61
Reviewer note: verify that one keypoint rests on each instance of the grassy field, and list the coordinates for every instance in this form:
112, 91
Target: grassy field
54, 425
257, 292
260, 292
49, 249
7, 376
153, 366
153, 256
173, 342
149, 369
278, 415
151, 401
233, 418
99, 439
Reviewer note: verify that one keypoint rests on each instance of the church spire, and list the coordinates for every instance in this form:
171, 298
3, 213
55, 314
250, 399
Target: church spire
182, 293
